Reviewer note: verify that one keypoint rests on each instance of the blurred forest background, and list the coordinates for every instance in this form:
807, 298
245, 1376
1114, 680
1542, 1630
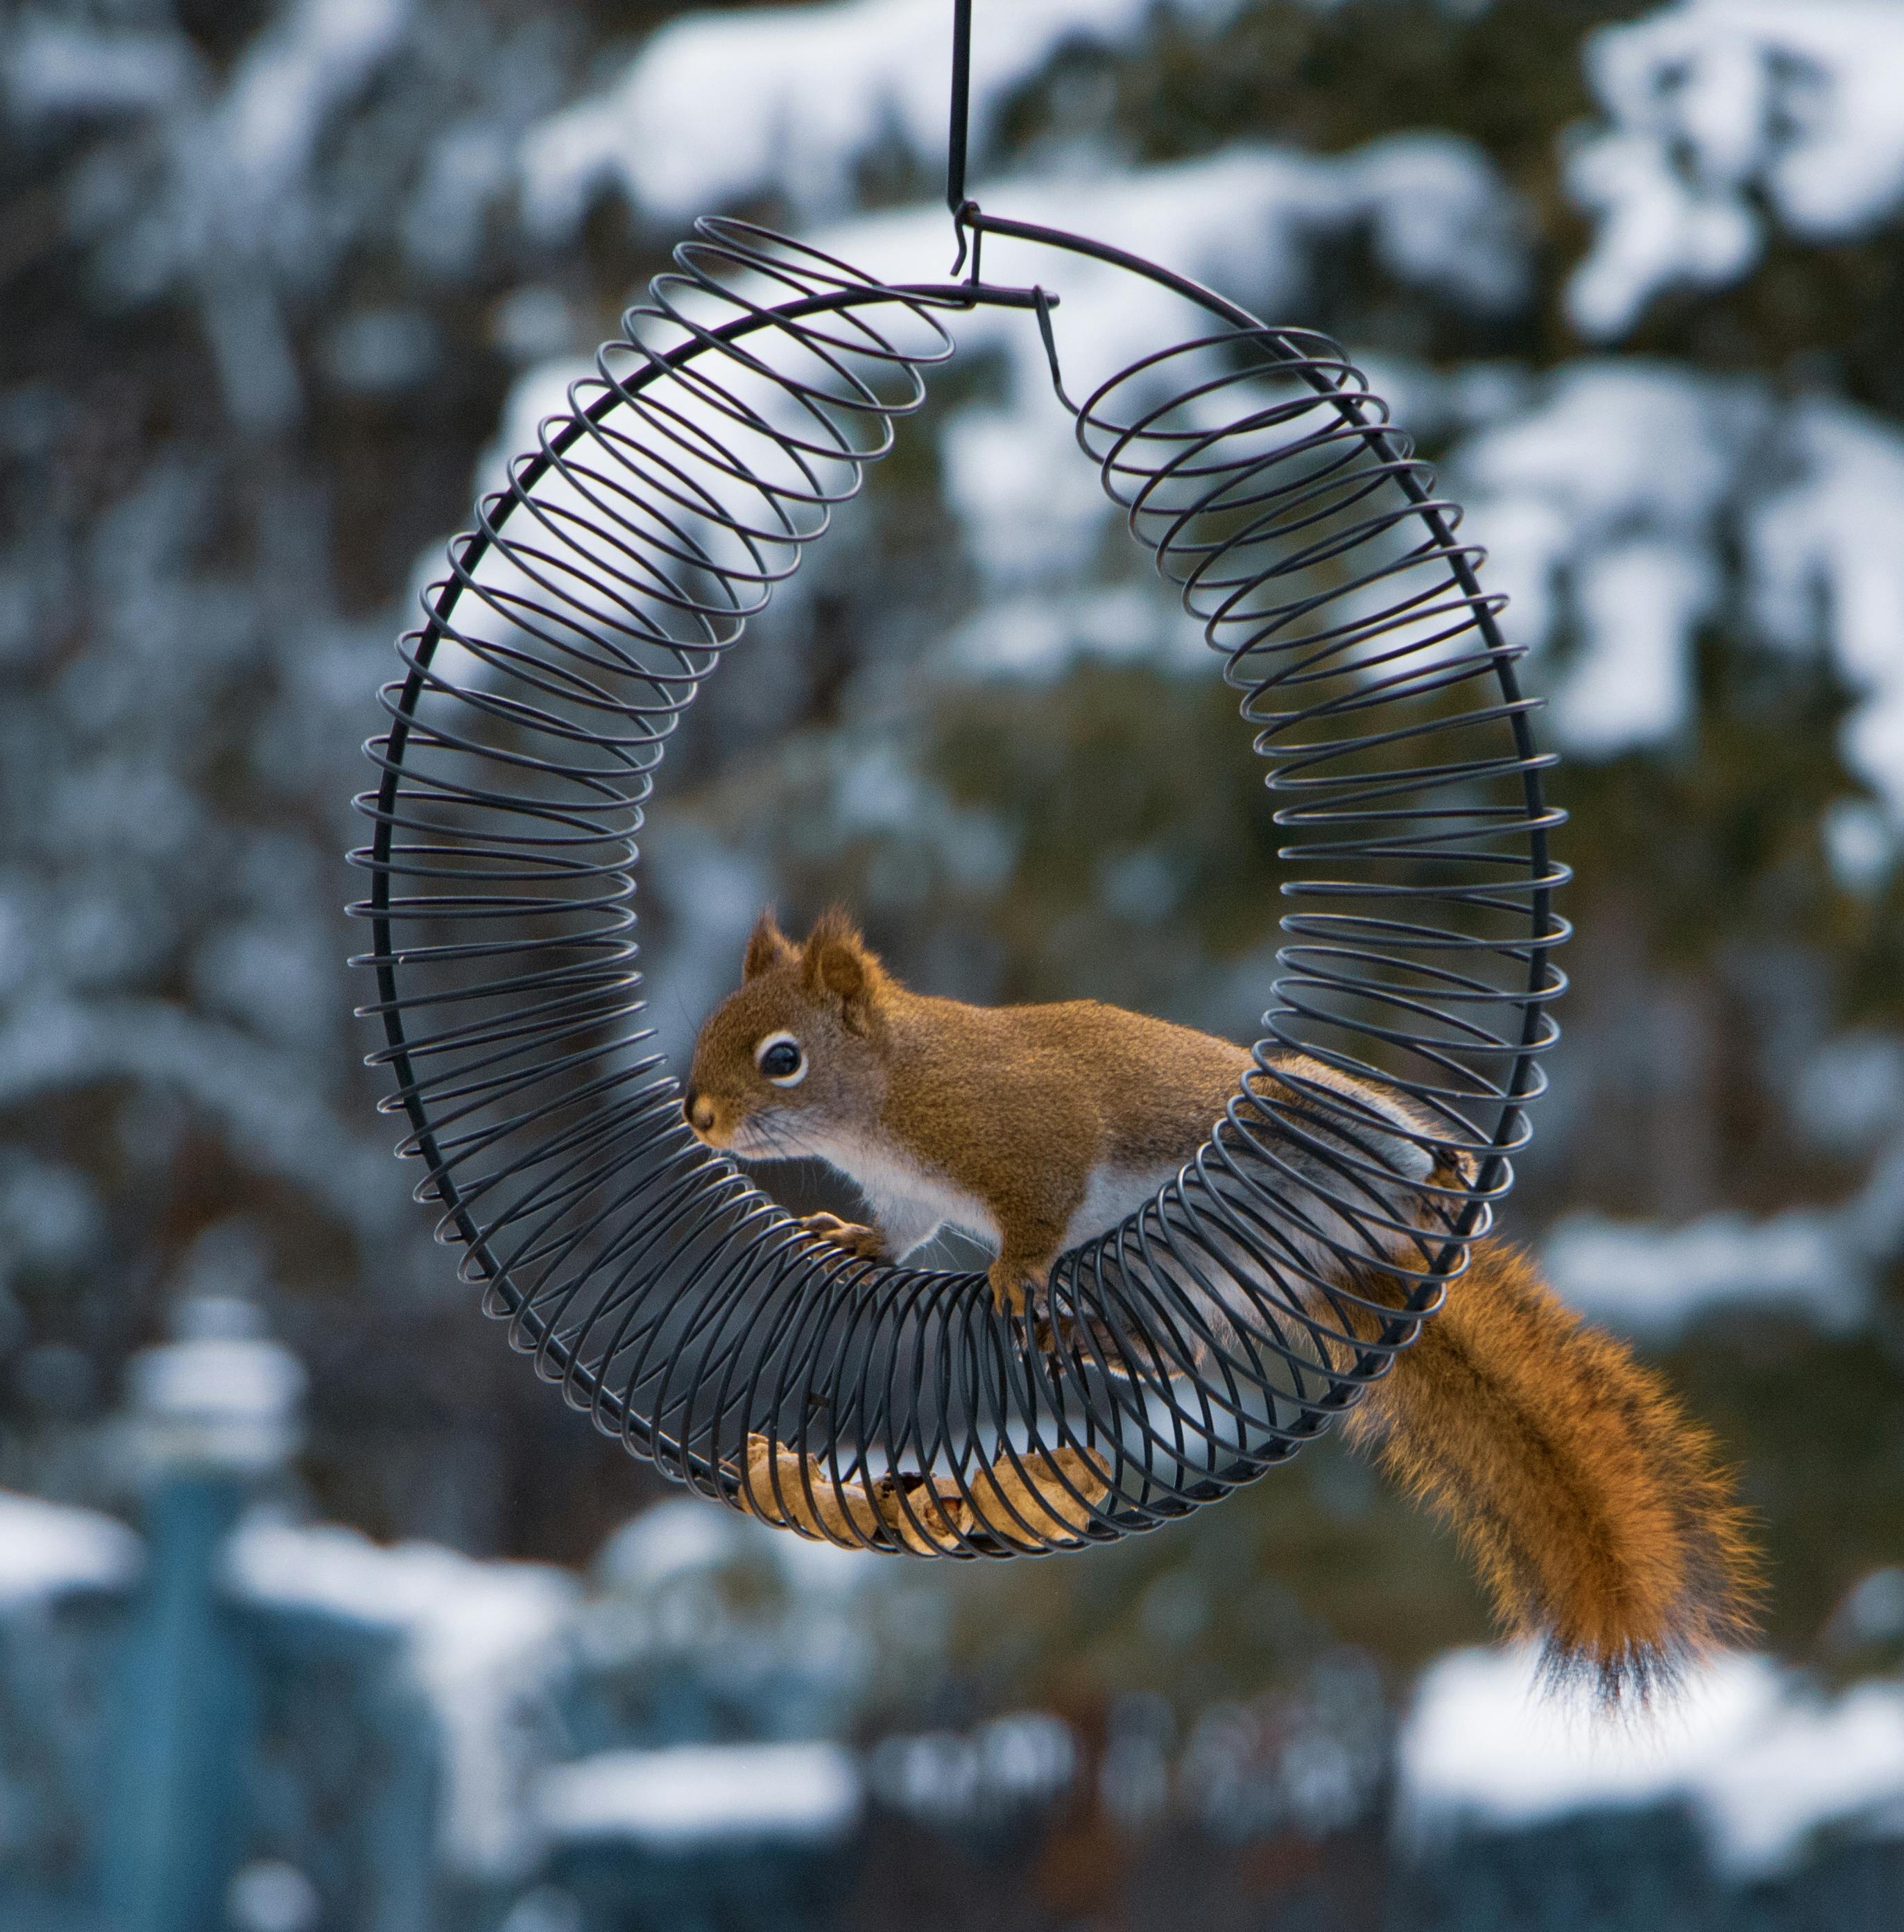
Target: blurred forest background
285, 280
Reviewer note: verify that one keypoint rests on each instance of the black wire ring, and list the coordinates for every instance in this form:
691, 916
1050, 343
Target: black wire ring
1265, 1288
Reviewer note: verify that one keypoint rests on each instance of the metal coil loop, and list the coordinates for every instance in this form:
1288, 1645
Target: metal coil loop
1264, 1289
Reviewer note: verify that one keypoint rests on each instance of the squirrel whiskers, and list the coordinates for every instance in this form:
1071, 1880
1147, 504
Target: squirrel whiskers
1596, 1513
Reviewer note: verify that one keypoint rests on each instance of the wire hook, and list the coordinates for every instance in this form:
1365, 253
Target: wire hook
966, 225
1043, 300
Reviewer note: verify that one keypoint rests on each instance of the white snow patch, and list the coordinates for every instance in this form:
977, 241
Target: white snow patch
1038, 638
232, 217
1010, 1768
1827, 564
219, 1396
254, 1379
1603, 501
1653, 1281
1610, 507
695, 1794
315, 56
484, 1643
682, 1536
48, 1550
1246, 221
718, 106
1860, 845
1824, 1263
1849, 1094
270, 1895
1723, 112
1641, 599
54, 70
1762, 1760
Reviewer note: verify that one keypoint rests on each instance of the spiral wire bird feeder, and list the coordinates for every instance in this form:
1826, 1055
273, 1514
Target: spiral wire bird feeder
1263, 1290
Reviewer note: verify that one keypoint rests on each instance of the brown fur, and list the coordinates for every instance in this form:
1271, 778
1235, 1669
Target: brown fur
1015, 1105
1595, 1512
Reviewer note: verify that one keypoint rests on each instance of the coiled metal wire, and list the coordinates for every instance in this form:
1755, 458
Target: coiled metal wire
1264, 1290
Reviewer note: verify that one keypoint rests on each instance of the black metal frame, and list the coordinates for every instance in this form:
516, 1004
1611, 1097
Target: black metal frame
1260, 1293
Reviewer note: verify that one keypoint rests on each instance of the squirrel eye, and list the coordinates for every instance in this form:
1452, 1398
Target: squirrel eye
778, 1057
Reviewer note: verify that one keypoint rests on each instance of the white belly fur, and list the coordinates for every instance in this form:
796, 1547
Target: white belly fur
1111, 1194
911, 1202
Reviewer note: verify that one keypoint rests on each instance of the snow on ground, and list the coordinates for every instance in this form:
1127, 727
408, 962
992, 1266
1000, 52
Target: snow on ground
485, 1641
695, 1795
47, 1550
1762, 1759
717, 107
1610, 504
1012, 1767
1724, 113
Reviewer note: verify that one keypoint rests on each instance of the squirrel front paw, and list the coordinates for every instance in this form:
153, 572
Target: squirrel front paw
855, 1238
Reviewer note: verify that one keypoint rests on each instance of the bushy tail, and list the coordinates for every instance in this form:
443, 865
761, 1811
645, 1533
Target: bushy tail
1597, 1513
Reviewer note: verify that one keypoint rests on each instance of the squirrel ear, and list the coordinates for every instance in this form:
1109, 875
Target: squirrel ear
836, 963
767, 946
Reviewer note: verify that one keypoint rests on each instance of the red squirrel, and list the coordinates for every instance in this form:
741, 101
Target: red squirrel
1595, 1510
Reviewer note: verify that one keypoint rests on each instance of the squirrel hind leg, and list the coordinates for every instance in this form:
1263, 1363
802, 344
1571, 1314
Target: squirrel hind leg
1088, 1342
1075, 1339
1016, 1282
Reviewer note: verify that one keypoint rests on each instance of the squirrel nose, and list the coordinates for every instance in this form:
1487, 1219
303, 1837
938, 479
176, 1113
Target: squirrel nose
700, 1111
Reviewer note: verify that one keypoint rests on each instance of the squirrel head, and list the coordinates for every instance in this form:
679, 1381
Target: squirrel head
795, 1057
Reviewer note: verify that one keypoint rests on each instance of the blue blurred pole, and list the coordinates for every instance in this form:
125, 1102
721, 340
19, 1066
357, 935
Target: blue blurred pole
175, 1819
401, 1827
213, 1415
